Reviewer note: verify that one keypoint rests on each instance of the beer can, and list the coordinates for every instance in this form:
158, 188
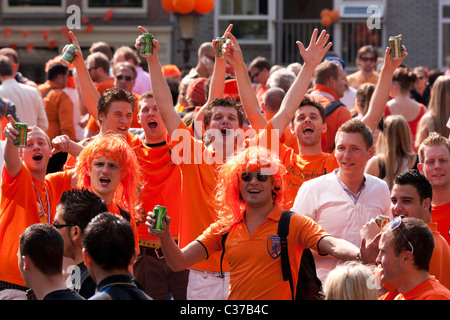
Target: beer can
395, 44
68, 55
219, 45
146, 44
160, 213
21, 140
382, 220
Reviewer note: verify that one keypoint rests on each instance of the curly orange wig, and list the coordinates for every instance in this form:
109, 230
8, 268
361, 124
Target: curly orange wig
231, 206
112, 146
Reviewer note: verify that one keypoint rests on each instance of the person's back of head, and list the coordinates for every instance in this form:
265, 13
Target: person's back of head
364, 94
44, 245
438, 105
272, 99
326, 70
81, 206
100, 61
349, 281
260, 63
102, 47
405, 77
281, 78
416, 236
126, 53
109, 242
55, 70
6, 68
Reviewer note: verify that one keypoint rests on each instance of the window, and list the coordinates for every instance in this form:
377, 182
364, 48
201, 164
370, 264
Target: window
445, 60
250, 19
34, 6
115, 3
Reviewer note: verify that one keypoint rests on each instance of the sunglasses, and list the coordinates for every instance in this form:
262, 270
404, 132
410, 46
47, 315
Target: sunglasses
59, 226
365, 59
397, 224
248, 176
127, 78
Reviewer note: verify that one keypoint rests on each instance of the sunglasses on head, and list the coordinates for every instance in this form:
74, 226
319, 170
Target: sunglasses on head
248, 176
59, 226
397, 224
127, 78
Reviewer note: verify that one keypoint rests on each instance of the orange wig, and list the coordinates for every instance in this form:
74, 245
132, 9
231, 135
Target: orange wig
230, 203
112, 146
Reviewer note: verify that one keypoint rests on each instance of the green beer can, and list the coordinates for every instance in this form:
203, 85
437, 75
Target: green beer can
21, 140
147, 44
68, 55
160, 213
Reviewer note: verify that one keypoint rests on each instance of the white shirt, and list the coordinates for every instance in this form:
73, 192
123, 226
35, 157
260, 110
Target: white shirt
142, 83
325, 201
29, 105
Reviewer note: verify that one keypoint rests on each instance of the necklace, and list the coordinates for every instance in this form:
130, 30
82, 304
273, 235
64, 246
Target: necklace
42, 213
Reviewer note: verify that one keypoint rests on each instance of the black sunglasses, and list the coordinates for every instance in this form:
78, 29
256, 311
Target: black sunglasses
59, 226
248, 176
127, 78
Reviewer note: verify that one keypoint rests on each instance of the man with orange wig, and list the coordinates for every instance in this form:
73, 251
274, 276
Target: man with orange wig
108, 167
249, 195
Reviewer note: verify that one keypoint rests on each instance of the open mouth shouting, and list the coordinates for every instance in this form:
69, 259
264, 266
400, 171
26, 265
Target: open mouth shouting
152, 124
104, 182
38, 157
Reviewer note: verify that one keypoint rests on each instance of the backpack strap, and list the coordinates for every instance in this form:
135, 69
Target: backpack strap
224, 238
332, 106
283, 232
47, 92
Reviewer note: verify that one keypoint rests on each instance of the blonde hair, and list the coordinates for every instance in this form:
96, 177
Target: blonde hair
349, 281
394, 145
438, 107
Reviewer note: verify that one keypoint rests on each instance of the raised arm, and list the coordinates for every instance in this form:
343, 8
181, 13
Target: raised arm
381, 94
11, 154
177, 259
312, 56
88, 90
161, 91
248, 97
216, 86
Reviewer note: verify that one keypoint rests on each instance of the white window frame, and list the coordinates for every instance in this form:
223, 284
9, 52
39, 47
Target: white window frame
34, 9
441, 21
270, 18
142, 10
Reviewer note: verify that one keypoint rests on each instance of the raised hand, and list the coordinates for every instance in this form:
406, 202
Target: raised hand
138, 43
317, 48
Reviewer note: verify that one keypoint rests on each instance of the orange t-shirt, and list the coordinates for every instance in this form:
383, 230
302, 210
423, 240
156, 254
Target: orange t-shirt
288, 137
430, 289
19, 209
93, 126
441, 215
104, 85
440, 261
301, 168
325, 95
199, 174
255, 263
161, 186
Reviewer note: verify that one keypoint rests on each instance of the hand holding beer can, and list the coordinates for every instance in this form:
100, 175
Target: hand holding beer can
160, 213
68, 55
219, 45
146, 44
21, 140
395, 45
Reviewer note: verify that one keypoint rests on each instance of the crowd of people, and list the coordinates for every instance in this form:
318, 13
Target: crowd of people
227, 147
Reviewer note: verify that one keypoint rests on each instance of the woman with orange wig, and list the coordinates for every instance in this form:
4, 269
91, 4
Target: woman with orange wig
108, 167
249, 194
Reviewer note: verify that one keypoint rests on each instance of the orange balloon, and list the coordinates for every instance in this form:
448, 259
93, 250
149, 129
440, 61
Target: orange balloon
334, 15
326, 21
204, 6
324, 12
184, 6
168, 5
